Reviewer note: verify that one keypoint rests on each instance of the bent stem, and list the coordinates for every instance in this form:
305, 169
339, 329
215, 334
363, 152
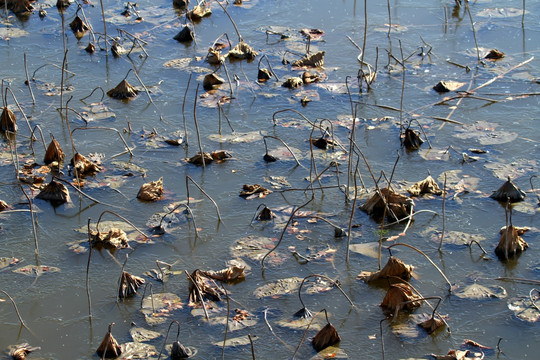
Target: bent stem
28, 81
428, 258
269, 65
205, 194
307, 328
33, 219
285, 229
232, 21
16, 310
284, 143
324, 277
105, 128
167, 336
188, 209
19, 107
92, 93
120, 217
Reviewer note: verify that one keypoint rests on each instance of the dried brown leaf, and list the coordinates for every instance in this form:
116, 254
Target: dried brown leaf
151, 191
54, 153
326, 337
398, 297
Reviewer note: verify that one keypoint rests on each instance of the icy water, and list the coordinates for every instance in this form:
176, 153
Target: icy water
434, 40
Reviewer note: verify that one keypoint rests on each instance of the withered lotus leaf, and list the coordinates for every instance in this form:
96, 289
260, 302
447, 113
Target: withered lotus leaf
399, 206
326, 337
508, 190
20, 6
180, 3
54, 192
185, 35
115, 238
510, 244
394, 267
20, 351
494, 54
459, 355
293, 83
8, 121
446, 86
3, 205
426, 186
84, 167
78, 27
265, 214
62, 4
178, 351
431, 324
116, 49
398, 296
313, 60
220, 155
129, 284
250, 190
151, 191
214, 57
264, 75
123, 91
197, 159
242, 51
91, 48
230, 274
208, 289
212, 81
198, 12
54, 153
270, 158
321, 143
109, 347
412, 140
309, 78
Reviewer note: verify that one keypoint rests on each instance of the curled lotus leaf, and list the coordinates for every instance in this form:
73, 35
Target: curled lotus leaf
510, 243
400, 297
326, 337
242, 51
8, 121
54, 192
508, 190
238, 137
399, 206
19, 352
230, 274
313, 60
138, 350
54, 153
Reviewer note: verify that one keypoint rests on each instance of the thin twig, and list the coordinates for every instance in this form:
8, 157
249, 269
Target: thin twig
443, 212
205, 194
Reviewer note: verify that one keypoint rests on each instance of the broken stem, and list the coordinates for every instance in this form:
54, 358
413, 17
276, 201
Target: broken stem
183, 108
36, 247
199, 294
167, 336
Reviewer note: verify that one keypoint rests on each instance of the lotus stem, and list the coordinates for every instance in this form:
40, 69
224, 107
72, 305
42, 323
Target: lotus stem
20, 108
473, 30
204, 192
252, 347
352, 138
183, 108
188, 209
295, 111
284, 143
91, 93
381, 336
307, 328
106, 128
443, 212
34, 232
269, 65
151, 297
16, 310
226, 323
349, 235
232, 21
64, 62
197, 126
56, 66
28, 81
88, 272
428, 258
81, 192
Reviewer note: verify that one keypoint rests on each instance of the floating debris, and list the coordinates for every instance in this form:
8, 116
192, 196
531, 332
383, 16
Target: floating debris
78, 27
446, 86
313, 60
494, 54
198, 12
242, 51
431, 324
20, 351
84, 167
412, 140
115, 238
293, 83
212, 81
254, 191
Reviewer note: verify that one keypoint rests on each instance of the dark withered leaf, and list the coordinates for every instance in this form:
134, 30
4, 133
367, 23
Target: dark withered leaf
327, 336
8, 121
431, 324
313, 60
264, 75
399, 206
54, 153
269, 158
54, 192
508, 191
494, 54
185, 35
129, 284
21, 351
109, 347
212, 81
123, 91
151, 191
394, 267
265, 214
510, 243
400, 296
412, 140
